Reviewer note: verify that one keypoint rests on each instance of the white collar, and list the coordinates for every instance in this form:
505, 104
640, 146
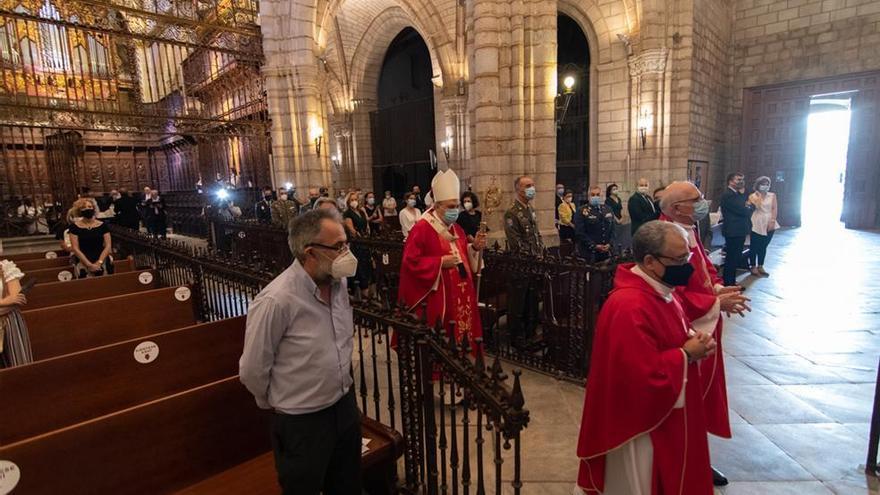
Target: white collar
662, 289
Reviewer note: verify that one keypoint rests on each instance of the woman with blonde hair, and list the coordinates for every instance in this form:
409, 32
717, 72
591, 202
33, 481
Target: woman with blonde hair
764, 224
90, 241
15, 344
356, 223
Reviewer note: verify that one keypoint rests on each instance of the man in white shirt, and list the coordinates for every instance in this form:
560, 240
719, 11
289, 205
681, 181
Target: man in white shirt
297, 361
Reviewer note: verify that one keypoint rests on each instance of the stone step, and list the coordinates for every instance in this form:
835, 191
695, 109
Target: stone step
29, 244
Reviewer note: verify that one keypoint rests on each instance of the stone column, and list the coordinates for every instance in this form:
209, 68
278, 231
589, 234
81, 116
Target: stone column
650, 114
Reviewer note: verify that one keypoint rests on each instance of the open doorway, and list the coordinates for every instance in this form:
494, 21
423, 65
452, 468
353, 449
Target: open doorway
828, 129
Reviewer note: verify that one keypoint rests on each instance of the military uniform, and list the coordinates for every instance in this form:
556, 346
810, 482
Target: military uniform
283, 212
521, 229
593, 225
523, 237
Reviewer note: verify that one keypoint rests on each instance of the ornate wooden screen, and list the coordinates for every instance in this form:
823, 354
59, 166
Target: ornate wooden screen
64, 154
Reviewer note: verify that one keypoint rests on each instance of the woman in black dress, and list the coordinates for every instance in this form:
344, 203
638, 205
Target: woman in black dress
374, 213
470, 218
90, 241
613, 202
357, 225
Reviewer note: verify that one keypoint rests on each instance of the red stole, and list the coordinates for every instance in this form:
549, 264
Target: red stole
449, 297
637, 373
697, 298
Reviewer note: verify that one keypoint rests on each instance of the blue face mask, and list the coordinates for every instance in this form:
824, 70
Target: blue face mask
530, 192
701, 209
451, 215
595, 200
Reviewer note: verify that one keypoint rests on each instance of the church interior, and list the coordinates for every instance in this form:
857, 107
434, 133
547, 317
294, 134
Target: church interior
164, 163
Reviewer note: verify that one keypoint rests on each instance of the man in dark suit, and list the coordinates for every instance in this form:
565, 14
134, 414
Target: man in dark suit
736, 212
641, 206
127, 210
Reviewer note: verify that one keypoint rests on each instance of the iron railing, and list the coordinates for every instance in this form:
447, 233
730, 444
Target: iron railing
425, 385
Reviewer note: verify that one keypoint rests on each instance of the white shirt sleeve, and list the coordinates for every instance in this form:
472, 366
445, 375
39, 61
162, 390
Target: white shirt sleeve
266, 325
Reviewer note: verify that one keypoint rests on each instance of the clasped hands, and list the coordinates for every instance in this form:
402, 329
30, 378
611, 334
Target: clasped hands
700, 345
733, 301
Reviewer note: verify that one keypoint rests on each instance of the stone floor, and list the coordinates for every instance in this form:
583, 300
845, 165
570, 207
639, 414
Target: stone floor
801, 369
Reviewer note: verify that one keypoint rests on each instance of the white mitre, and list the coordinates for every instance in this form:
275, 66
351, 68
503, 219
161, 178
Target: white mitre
445, 186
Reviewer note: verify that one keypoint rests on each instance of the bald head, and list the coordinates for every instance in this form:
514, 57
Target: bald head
678, 201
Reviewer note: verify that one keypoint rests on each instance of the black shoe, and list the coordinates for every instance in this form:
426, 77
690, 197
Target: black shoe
718, 479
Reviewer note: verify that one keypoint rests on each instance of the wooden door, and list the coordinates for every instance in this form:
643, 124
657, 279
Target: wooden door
861, 209
774, 143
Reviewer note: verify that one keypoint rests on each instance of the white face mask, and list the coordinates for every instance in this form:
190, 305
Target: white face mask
764, 187
283, 197
643, 189
468, 205
354, 205
344, 266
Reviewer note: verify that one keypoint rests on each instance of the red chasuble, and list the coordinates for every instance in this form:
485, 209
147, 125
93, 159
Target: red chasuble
422, 280
637, 374
698, 298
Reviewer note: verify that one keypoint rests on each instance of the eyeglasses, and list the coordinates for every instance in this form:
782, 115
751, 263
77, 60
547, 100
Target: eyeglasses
690, 199
339, 248
677, 261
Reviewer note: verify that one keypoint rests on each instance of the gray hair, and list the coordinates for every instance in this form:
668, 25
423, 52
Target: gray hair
323, 200
305, 228
651, 238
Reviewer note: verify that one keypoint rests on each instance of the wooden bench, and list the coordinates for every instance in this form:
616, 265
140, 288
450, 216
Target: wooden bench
40, 255
56, 293
68, 328
154, 448
47, 275
31, 265
92, 383
258, 476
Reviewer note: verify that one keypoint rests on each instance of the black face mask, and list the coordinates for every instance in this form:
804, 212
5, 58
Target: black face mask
677, 275
87, 213
267, 197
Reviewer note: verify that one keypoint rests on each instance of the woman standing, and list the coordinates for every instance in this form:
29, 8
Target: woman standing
470, 219
613, 202
357, 225
374, 213
764, 224
15, 344
566, 216
409, 215
389, 205
90, 241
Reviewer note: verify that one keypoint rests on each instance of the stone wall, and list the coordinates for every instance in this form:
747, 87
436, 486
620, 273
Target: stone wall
779, 41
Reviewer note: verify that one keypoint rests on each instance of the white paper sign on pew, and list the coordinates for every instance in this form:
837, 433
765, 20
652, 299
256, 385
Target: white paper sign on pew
182, 294
145, 278
65, 276
146, 352
9, 476
51, 255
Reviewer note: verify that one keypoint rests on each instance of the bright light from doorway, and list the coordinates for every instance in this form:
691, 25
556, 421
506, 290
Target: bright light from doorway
825, 166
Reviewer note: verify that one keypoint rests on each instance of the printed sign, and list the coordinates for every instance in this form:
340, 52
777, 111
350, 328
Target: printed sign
241, 234
385, 260
51, 255
9, 476
146, 352
65, 276
145, 278
182, 294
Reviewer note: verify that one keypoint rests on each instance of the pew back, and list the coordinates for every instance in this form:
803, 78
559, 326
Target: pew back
59, 330
40, 255
31, 265
47, 275
57, 293
158, 447
96, 382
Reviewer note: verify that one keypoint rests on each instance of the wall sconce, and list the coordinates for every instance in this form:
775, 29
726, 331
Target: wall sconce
337, 160
446, 145
318, 137
564, 100
644, 126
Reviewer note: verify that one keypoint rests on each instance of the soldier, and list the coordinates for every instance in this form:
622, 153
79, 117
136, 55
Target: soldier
523, 237
283, 210
594, 227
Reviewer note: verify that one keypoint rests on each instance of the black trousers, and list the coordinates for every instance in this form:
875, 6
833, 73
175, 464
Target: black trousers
733, 248
320, 452
758, 249
522, 307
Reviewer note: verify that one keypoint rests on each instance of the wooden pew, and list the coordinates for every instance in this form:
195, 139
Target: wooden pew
100, 381
56, 293
68, 328
258, 477
54, 274
154, 448
40, 255
31, 265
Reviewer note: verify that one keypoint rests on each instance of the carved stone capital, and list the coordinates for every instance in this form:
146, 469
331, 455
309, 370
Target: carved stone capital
652, 61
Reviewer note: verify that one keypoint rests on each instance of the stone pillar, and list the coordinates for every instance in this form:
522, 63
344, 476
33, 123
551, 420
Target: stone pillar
362, 145
650, 114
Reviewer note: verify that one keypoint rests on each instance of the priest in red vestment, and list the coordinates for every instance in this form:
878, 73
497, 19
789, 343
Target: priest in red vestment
704, 299
438, 264
643, 430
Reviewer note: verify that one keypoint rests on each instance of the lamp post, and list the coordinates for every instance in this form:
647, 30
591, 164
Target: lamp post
564, 100
446, 145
